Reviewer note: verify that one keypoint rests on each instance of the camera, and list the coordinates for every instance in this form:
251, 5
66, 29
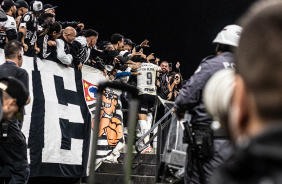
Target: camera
170, 66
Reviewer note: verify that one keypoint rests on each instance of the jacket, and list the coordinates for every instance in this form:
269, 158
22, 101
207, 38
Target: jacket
190, 97
259, 161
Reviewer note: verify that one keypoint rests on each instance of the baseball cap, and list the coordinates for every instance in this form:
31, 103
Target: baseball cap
7, 4
15, 89
36, 6
48, 6
127, 41
22, 3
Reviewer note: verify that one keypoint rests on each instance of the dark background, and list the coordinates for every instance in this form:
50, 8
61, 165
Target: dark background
177, 30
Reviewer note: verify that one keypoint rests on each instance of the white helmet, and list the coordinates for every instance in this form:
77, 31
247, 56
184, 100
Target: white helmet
229, 35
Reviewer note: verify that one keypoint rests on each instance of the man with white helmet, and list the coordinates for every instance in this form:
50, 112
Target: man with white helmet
215, 149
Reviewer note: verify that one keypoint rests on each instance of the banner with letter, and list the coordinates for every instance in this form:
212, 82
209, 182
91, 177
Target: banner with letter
57, 122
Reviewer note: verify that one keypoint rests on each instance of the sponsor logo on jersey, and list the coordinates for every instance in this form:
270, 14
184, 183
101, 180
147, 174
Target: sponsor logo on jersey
149, 89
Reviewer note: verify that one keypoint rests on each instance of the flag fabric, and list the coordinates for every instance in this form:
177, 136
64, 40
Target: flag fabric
57, 122
111, 139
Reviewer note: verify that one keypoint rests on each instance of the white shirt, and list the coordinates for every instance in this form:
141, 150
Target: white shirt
146, 81
11, 23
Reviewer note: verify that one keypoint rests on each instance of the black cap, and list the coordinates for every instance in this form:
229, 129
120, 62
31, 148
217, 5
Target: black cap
22, 3
48, 6
7, 4
127, 41
15, 89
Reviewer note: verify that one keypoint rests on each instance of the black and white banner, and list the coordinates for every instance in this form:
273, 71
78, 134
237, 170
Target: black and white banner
110, 138
57, 123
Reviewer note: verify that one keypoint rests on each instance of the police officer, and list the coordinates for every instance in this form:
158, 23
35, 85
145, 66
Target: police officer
190, 98
255, 109
13, 147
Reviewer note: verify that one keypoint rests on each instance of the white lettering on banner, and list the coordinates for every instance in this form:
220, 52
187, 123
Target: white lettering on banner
28, 66
52, 152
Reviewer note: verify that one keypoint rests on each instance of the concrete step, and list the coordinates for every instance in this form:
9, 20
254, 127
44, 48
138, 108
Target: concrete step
117, 168
108, 178
124, 150
142, 158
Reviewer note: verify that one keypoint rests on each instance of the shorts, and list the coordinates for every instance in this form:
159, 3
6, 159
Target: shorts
147, 103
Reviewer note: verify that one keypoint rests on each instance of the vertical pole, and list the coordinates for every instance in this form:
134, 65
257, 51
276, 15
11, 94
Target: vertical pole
132, 125
91, 178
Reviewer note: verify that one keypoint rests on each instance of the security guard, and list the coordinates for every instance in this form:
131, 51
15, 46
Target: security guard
216, 151
13, 148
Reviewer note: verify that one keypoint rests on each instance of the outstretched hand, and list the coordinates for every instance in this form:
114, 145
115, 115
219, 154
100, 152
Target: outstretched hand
144, 43
177, 65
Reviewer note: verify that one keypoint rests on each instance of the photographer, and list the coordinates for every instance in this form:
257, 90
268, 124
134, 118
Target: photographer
12, 141
175, 85
13, 96
13, 146
254, 112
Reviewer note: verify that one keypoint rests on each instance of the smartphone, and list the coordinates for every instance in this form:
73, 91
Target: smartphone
170, 66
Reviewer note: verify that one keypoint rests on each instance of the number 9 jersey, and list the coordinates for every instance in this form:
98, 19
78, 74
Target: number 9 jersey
146, 81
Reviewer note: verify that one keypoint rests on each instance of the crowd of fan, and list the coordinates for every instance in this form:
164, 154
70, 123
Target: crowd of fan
68, 43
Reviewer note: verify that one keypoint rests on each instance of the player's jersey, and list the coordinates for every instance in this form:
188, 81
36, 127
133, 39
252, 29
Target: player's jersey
146, 81
11, 23
30, 22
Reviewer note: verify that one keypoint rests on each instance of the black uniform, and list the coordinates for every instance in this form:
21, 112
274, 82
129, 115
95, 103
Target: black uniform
46, 51
190, 98
13, 149
30, 22
163, 90
260, 161
80, 51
